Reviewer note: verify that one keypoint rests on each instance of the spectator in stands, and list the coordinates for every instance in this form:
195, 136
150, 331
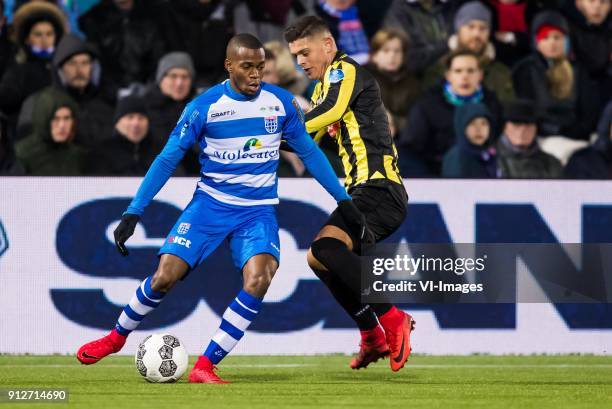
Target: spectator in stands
9, 165
511, 37
126, 34
344, 21
590, 34
193, 26
37, 28
426, 23
520, 155
473, 155
77, 72
564, 96
429, 131
132, 148
169, 94
6, 45
52, 149
399, 87
472, 32
594, 162
167, 97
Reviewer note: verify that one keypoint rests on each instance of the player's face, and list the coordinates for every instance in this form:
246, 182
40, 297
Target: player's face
464, 75
312, 54
245, 69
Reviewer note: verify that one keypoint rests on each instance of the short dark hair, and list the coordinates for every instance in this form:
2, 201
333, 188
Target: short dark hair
244, 40
461, 53
304, 27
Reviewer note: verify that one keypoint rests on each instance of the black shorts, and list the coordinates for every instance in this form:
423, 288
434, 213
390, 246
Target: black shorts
384, 207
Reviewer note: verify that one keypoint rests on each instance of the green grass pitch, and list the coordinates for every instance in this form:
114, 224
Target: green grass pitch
323, 382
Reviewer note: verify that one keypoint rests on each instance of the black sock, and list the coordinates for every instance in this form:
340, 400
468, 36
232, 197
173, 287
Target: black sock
345, 265
362, 314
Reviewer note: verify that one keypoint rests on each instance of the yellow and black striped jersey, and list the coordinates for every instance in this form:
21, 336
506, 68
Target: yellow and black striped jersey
350, 96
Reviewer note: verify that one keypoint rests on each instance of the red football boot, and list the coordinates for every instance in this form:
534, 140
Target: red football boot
372, 347
93, 351
397, 325
203, 372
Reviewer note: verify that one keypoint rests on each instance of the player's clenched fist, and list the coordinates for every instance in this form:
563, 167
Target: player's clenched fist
353, 217
124, 231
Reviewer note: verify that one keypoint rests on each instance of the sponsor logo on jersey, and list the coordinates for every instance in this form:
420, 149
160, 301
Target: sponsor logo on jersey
252, 143
181, 241
223, 113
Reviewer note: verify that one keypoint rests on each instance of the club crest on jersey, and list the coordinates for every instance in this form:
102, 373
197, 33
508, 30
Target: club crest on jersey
271, 123
183, 228
336, 76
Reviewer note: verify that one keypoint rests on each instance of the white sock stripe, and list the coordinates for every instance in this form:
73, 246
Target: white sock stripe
236, 320
142, 288
126, 322
139, 307
225, 340
245, 307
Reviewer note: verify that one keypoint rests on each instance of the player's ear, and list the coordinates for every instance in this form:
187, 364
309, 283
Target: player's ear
228, 65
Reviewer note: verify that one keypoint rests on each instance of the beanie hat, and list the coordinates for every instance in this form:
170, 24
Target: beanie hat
546, 29
130, 105
474, 10
175, 59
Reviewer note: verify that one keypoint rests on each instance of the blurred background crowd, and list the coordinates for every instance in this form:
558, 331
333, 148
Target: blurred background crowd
473, 89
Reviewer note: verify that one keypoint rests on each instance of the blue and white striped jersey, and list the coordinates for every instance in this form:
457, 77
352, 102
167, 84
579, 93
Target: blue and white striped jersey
240, 139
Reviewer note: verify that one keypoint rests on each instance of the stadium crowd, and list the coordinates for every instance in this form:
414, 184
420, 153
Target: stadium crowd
473, 89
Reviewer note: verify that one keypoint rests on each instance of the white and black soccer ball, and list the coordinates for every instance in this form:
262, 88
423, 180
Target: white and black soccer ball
161, 358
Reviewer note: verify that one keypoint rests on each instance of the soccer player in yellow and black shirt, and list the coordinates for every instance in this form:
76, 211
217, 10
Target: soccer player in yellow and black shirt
347, 105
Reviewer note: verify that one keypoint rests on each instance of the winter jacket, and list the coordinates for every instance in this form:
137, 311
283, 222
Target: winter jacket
429, 132
574, 117
164, 113
464, 159
530, 163
39, 154
428, 30
120, 157
399, 91
129, 42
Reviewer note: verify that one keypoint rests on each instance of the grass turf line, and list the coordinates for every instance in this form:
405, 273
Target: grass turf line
323, 382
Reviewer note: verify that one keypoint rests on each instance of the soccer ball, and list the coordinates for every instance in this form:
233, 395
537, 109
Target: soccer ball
161, 358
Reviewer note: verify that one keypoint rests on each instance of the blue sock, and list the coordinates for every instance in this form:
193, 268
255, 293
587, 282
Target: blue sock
143, 302
236, 319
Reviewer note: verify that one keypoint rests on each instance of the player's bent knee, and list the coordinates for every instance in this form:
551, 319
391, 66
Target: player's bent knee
167, 274
257, 283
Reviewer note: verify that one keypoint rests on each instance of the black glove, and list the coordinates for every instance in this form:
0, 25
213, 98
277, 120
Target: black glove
124, 231
354, 219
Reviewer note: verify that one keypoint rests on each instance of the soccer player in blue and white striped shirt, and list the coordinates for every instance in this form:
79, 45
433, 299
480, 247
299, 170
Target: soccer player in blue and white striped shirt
238, 125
